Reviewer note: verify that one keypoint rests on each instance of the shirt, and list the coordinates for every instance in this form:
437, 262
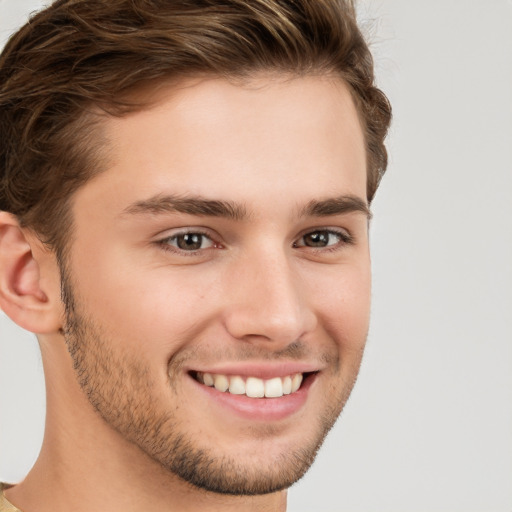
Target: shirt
5, 506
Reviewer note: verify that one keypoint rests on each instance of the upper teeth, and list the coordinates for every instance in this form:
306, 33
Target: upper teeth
252, 386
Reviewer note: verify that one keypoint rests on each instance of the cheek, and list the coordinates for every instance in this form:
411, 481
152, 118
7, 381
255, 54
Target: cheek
135, 306
345, 307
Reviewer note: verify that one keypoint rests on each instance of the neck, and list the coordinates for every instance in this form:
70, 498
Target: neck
86, 465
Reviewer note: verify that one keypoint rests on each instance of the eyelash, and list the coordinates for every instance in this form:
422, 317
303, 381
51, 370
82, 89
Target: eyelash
344, 240
166, 246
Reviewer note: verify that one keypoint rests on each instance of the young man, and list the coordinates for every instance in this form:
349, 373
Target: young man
185, 191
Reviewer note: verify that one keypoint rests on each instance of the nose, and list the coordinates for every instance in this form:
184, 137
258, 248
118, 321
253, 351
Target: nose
268, 301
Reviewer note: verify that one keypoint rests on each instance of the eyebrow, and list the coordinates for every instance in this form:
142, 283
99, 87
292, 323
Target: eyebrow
190, 205
336, 206
200, 206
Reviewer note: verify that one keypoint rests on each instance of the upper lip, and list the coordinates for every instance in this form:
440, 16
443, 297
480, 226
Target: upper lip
260, 370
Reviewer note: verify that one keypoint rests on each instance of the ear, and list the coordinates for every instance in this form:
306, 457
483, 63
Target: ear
29, 279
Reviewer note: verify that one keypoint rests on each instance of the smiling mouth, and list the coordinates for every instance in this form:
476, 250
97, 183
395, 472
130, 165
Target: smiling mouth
253, 387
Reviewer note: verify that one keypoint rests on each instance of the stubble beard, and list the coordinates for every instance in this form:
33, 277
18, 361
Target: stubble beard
121, 390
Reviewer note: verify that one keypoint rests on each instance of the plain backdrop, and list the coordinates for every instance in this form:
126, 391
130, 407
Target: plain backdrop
429, 425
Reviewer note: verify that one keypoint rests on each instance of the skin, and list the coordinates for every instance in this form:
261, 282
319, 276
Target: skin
256, 295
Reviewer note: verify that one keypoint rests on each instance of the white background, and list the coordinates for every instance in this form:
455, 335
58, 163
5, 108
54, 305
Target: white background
429, 425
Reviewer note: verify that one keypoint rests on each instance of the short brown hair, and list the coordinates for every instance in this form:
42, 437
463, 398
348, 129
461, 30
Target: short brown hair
78, 55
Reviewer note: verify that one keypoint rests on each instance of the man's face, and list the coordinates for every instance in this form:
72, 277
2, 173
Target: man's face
227, 242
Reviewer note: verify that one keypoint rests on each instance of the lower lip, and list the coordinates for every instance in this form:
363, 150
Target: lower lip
260, 409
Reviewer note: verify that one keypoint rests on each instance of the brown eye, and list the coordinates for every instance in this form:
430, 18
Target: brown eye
189, 241
317, 239
322, 238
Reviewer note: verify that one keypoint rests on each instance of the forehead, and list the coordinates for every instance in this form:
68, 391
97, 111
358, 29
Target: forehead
213, 137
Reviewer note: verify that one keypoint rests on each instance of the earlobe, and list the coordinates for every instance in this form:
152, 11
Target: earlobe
23, 297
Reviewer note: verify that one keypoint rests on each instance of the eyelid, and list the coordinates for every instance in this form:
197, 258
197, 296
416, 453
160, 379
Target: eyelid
346, 238
162, 241
185, 230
